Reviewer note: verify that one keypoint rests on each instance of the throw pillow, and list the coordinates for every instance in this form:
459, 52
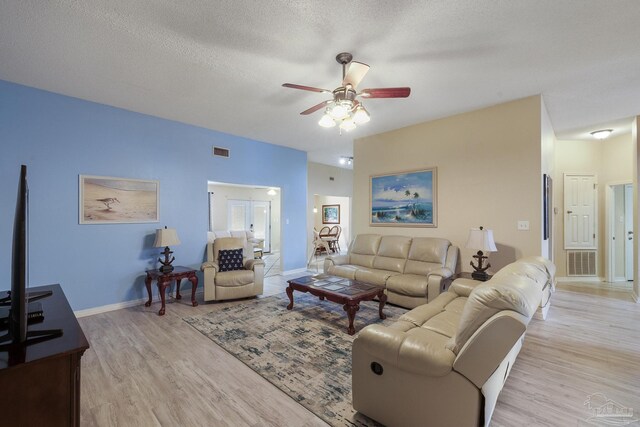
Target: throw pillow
230, 259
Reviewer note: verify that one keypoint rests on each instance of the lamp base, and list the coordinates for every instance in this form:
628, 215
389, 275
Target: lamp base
166, 269
480, 275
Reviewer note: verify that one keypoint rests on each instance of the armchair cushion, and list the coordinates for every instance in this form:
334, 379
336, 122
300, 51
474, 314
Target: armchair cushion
230, 259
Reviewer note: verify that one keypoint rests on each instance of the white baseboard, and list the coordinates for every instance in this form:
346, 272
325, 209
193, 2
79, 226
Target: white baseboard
635, 296
119, 305
580, 279
296, 271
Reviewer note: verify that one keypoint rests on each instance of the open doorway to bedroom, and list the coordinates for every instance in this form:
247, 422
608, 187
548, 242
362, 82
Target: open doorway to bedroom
255, 208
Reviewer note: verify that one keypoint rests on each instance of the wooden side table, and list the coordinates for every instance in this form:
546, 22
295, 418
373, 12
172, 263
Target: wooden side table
449, 280
165, 279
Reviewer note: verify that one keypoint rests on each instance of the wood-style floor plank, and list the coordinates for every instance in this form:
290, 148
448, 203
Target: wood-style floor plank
147, 370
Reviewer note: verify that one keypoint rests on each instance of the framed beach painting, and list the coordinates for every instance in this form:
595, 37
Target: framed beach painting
405, 199
109, 200
331, 214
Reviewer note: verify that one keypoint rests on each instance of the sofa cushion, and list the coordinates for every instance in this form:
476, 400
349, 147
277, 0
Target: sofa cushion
408, 284
373, 276
392, 253
364, 249
426, 254
235, 278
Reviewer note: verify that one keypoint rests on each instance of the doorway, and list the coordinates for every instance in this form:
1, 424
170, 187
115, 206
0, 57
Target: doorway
619, 201
254, 215
243, 207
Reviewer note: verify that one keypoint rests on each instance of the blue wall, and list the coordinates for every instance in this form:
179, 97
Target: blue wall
59, 137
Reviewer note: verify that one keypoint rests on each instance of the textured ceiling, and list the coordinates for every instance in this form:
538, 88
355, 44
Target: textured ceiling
220, 64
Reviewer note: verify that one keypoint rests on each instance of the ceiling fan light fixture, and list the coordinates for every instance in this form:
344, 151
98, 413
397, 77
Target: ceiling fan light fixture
348, 124
602, 133
361, 115
326, 121
338, 111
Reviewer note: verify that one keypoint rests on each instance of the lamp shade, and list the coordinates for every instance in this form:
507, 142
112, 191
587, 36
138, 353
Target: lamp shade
481, 239
166, 237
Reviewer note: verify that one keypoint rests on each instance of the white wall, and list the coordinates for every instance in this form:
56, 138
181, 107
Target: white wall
222, 193
320, 183
489, 165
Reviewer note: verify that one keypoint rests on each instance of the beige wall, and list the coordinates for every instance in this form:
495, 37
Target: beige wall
319, 183
222, 193
489, 173
611, 160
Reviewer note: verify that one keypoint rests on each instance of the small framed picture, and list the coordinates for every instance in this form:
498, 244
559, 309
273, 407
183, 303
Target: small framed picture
331, 214
109, 200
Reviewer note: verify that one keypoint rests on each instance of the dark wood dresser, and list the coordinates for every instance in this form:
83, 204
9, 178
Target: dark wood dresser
40, 383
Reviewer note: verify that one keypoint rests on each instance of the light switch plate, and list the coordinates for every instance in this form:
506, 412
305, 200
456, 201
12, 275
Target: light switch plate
523, 225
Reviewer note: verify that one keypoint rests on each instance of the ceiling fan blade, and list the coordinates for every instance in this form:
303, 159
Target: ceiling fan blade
309, 88
355, 73
387, 92
315, 108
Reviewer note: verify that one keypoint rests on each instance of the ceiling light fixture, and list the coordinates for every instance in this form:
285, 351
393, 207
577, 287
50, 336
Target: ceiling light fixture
271, 192
346, 160
602, 133
347, 114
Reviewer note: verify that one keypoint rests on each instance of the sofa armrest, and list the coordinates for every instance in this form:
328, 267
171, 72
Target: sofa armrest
330, 261
210, 264
434, 282
250, 264
408, 352
463, 287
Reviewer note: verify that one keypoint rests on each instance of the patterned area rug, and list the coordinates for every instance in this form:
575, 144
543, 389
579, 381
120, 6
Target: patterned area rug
305, 352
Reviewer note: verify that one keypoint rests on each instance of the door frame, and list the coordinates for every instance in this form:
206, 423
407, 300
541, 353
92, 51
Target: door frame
610, 258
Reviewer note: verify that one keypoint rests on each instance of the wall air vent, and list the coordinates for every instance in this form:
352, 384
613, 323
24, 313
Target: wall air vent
221, 152
581, 263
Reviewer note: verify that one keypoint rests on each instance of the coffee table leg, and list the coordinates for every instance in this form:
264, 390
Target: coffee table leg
178, 296
147, 283
383, 300
290, 295
351, 313
194, 284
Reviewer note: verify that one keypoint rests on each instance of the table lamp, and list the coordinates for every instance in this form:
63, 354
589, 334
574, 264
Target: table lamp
166, 237
481, 239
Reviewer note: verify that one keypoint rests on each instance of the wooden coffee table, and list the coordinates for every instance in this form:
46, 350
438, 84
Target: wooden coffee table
338, 290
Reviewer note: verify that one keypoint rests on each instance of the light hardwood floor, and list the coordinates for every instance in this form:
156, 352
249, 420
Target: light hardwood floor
146, 370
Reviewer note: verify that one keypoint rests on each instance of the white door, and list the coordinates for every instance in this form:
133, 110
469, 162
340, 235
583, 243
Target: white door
628, 231
580, 212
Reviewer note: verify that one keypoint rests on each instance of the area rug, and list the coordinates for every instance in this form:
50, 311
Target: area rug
305, 352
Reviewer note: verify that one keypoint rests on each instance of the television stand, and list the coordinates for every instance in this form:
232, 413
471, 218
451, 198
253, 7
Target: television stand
41, 380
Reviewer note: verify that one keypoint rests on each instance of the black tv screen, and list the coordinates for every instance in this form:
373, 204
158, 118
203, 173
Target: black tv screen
20, 262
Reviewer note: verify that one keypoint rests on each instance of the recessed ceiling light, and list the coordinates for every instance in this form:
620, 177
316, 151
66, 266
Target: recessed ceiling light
602, 133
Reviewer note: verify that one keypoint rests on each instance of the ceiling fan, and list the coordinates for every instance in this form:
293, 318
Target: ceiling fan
344, 109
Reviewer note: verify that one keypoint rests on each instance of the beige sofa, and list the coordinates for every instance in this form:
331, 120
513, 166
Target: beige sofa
223, 285
444, 363
410, 269
248, 235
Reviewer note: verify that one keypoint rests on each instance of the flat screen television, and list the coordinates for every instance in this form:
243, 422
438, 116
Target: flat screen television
18, 297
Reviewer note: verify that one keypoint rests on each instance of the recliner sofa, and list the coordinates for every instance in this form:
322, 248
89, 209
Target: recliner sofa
410, 269
444, 363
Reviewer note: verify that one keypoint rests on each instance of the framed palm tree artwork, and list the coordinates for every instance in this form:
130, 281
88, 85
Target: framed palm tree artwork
405, 199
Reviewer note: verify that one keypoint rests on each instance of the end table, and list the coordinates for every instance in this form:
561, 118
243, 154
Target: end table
165, 279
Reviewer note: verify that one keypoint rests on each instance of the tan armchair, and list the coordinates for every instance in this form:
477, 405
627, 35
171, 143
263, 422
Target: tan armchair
223, 285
